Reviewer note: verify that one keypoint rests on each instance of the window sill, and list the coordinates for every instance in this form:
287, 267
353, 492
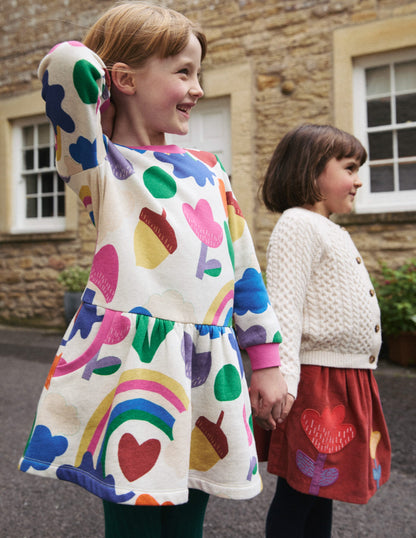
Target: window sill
353, 219
38, 237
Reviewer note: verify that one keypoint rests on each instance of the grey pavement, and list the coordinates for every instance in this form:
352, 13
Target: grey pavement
33, 507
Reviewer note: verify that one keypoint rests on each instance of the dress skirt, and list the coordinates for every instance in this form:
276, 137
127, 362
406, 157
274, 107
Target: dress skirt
137, 410
334, 443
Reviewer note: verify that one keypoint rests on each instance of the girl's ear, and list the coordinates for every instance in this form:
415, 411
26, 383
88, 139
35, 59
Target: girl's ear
123, 79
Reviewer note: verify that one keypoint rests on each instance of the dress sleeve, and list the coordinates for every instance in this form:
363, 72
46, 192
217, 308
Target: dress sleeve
74, 88
291, 254
255, 321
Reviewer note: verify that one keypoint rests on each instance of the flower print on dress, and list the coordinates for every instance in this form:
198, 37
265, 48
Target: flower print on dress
328, 435
210, 233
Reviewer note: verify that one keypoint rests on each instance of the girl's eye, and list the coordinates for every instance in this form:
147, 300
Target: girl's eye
184, 71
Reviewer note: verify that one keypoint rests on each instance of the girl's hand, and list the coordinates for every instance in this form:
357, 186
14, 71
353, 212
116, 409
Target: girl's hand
108, 115
268, 396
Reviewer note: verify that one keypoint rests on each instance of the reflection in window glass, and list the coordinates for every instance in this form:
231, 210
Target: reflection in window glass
27, 136
407, 142
380, 145
378, 80
28, 160
405, 75
379, 112
43, 158
31, 208
406, 108
47, 206
47, 182
31, 184
407, 176
381, 179
44, 135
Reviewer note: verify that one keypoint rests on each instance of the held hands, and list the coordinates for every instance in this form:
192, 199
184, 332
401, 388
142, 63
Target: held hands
269, 398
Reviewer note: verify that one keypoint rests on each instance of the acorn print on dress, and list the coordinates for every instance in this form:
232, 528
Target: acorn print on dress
209, 444
154, 239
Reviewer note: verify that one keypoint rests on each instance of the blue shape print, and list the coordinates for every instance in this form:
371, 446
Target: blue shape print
86, 318
42, 449
184, 165
84, 152
92, 479
53, 96
250, 293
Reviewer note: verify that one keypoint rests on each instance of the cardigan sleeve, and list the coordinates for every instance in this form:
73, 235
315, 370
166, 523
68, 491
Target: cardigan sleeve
291, 254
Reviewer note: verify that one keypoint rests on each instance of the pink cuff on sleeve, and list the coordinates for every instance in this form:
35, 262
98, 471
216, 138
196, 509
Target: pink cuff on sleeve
264, 356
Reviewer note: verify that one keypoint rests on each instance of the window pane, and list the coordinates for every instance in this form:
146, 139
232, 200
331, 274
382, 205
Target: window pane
31, 208
47, 206
47, 182
379, 112
380, 145
381, 179
27, 136
406, 108
407, 142
61, 206
61, 185
405, 76
31, 184
378, 80
43, 158
28, 159
43, 134
407, 176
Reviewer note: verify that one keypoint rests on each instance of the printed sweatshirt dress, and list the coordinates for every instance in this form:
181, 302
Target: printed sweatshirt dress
147, 395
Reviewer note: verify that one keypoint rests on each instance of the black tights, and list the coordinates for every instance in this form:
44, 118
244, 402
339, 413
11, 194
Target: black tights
297, 515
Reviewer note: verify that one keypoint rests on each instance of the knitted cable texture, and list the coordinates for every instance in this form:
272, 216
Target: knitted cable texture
322, 294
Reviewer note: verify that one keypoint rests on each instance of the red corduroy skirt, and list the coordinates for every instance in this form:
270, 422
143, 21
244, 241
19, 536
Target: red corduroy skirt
335, 442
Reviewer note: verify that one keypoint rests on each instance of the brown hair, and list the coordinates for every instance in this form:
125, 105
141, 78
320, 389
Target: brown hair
299, 159
132, 32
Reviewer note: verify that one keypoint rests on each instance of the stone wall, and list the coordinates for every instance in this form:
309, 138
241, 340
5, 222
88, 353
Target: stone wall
288, 45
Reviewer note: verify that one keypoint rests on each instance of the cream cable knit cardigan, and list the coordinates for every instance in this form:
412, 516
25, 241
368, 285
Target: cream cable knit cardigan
322, 295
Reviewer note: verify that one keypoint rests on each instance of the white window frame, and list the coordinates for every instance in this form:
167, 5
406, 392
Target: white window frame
39, 224
366, 201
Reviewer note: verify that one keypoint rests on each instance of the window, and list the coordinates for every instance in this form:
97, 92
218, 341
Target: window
385, 111
39, 193
209, 130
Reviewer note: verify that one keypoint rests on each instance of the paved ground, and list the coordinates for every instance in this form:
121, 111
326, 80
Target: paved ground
32, 507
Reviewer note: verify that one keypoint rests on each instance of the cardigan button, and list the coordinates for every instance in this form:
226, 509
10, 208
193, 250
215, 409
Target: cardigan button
371, 359
358, 259
377, 328
372, 293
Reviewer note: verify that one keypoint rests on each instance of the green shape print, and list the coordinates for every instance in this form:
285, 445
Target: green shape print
227, 384
85, 76
146, 347
159, 183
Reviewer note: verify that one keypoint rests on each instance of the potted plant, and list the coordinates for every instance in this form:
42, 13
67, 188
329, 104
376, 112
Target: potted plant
396, 293
73, 279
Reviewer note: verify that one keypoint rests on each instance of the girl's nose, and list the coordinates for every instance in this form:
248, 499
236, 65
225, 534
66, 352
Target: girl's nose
357, 182
196, 89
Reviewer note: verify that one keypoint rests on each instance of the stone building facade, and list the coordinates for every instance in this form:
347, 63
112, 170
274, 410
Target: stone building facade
280, 63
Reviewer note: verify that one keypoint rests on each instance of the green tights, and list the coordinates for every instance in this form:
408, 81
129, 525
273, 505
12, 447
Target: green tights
179, 521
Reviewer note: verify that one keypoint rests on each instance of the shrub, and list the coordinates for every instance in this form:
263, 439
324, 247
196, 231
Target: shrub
396, 293
73, 278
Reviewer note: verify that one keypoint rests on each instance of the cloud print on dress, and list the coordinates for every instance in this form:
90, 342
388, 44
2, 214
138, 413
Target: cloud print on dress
92, 479
53, 96
43, 449
186, 166
250, 293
